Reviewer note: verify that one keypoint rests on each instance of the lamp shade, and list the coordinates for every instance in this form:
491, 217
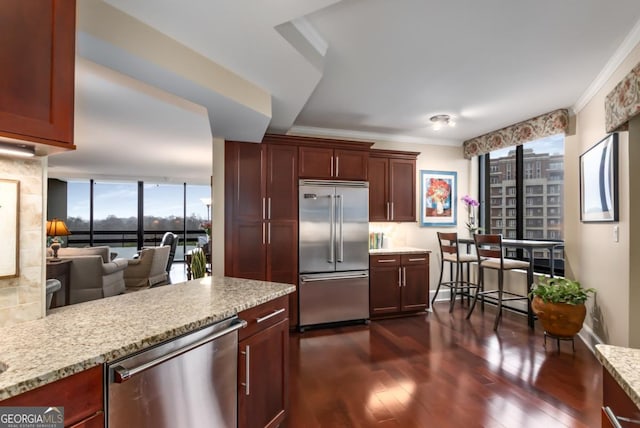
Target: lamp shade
57, 227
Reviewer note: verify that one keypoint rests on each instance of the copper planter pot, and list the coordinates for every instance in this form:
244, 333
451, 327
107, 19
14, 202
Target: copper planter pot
559, 319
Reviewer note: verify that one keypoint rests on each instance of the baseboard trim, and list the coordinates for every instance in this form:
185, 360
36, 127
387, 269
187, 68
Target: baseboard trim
590, 338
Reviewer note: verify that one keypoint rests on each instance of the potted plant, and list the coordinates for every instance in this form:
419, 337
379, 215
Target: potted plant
559, 305
198, 263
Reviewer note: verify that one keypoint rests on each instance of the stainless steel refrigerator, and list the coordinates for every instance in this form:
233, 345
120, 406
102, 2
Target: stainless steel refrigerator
333, 251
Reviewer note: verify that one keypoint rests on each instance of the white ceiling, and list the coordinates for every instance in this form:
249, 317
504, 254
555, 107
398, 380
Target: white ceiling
388, 67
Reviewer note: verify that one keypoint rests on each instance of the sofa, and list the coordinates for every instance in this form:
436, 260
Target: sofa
92, 274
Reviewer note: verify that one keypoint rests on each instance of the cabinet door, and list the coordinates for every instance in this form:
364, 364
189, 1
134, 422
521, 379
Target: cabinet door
263, 364
350, 164
37, 73
282, 259
315, 162
248, 255
282, 251
415, 290
248, 185
282, 182
80, 394
384, 284
402, 189
379, 207
614, 397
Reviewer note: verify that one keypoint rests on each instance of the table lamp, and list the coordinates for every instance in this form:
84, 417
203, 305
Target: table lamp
56, 228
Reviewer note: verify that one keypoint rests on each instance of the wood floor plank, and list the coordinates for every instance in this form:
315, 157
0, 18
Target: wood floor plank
440, 370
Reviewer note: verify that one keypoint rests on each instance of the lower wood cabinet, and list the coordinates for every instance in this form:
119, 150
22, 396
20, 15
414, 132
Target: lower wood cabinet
263, 365
618, 404
80, 394
398, 284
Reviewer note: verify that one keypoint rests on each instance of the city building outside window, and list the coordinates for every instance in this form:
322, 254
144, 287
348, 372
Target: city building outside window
536, 212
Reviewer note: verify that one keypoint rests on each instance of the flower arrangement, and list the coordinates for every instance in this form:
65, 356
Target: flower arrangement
438, 190
206, 226
471, 204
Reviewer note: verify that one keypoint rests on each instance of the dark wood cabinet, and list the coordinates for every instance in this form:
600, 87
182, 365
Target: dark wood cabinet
398, 284
37, 73
80, 394
263, 354
261, 202
392, 185
333, 163
618, 402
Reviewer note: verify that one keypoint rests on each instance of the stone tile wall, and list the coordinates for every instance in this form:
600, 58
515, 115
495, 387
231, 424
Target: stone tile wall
22, 298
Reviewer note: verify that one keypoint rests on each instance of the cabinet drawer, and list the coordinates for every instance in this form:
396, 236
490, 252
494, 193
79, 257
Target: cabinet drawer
264, 316
415, 259
385, 260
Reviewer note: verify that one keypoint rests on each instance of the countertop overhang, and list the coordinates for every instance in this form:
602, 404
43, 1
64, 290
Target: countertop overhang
77, 337
624, 366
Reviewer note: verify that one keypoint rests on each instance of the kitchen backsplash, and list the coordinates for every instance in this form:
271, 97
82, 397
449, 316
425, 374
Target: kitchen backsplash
392, 235
21, 298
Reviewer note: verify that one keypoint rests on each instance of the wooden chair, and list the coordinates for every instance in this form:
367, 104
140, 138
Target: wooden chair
450, 253
490, 255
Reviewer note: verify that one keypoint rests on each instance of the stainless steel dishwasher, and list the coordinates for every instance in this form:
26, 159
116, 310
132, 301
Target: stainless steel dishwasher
190, 382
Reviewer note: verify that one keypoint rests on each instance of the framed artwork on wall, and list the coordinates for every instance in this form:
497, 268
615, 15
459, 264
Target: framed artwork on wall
438, 205
599, 181
9, 227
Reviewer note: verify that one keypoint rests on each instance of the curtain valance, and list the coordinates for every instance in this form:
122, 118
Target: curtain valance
623, 102
552, 123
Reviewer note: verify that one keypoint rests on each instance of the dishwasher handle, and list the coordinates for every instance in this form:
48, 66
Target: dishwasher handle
122, 374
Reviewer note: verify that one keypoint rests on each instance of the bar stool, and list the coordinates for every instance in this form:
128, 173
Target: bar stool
490, 255
450, 253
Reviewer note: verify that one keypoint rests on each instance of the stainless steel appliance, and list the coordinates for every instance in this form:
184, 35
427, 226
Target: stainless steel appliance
333, 251
190, 381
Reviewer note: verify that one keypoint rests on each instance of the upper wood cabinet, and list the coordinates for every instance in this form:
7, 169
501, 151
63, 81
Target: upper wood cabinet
332, 159
336, 164
37, 72
392, 185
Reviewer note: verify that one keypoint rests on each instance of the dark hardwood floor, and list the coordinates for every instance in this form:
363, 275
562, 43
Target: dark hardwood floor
440, 370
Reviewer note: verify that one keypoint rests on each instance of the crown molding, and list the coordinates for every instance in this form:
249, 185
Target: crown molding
628, 44
369, 136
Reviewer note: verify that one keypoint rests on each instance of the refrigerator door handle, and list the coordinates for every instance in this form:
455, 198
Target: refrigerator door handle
304, 278
332, 231
340, 223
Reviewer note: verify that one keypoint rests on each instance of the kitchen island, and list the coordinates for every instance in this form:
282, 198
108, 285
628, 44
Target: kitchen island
75, 338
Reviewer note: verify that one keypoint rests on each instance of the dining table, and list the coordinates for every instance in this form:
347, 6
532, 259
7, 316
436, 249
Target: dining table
529, 245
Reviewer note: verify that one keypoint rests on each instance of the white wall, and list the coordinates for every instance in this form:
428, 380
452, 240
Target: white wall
592, 256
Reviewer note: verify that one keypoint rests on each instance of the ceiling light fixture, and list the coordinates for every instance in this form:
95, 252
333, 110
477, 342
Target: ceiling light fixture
19, 150
441, 120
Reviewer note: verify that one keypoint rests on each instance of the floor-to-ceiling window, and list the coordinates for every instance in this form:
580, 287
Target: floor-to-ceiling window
115, 216
128, 215
523, 194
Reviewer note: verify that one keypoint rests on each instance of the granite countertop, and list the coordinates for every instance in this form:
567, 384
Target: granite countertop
77, 337
624, 366
398, 250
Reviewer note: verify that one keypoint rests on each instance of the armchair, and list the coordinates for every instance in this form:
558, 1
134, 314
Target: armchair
170, 239
148, 270
92, 275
